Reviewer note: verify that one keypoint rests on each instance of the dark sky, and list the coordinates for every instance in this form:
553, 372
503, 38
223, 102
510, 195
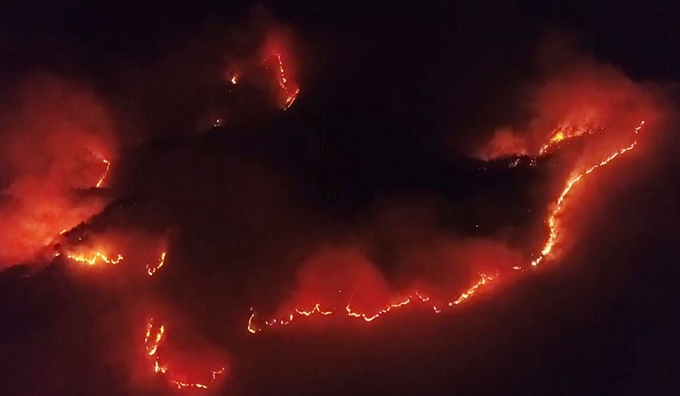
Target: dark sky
393, 97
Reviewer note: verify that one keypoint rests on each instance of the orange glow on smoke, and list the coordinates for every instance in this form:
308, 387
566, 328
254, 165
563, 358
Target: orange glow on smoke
44, 217
153, 340
289, 90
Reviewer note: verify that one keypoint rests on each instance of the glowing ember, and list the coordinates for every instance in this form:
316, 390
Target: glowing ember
233, 79
289, 92
153, 339
151, 270
95, 257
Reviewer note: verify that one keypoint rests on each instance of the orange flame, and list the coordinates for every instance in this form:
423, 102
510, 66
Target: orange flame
93, 258
553, 221
546, 251
290, 93
152, 342
106, 172
350, 312
151, 270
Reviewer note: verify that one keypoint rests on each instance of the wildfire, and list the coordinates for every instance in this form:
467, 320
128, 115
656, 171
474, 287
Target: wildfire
562, 134
290, 93
553, 220
354, 313
151, 270
95, 257
233, 79
106, 172
152, 341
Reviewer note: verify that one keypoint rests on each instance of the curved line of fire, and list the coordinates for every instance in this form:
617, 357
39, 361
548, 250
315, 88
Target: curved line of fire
155, 335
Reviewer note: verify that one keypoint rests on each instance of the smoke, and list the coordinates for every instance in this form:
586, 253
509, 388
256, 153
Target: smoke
575, 93
55, 135
387, 253
219, 75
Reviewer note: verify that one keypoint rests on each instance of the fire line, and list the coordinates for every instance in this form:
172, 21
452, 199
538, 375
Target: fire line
546, 252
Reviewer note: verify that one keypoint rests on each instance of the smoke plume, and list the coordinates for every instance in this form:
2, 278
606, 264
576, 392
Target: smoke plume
575, 93
55, 136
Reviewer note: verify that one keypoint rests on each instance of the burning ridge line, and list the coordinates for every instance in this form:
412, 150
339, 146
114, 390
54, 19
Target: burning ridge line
546, 252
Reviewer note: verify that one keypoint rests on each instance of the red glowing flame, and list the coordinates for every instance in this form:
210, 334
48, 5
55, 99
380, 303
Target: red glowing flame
553, 220
155, 335
106, 172
153, 340
368, 317
289, 90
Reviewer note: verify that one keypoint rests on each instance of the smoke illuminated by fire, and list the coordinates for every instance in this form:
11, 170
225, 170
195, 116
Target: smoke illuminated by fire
54, 127
43, 201
275, 56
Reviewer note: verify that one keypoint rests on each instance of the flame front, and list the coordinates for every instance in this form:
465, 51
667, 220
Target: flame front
94, 258
106, 172
561, 134
546, 251
368, 317
151, 270
553, 220
154, 337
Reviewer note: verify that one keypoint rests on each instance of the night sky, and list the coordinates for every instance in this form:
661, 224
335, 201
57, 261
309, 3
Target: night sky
380, 152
